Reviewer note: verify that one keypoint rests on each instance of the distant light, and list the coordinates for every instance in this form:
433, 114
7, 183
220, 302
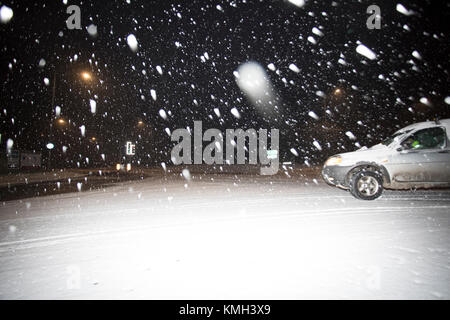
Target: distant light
61, 121
140, 123
128, 166
50, 146
118, 166
9, 145
337, 91
93, 138
86, 76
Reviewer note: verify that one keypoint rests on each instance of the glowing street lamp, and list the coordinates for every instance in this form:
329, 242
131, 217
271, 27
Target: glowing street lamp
86, 76
337, 91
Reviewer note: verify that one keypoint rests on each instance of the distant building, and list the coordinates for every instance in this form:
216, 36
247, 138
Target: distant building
17, 159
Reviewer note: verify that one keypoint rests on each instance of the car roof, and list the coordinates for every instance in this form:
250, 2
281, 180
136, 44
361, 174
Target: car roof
427, 124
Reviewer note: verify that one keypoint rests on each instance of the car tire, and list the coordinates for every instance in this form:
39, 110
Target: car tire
366, 185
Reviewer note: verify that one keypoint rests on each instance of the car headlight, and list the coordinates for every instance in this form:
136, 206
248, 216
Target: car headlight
333, 161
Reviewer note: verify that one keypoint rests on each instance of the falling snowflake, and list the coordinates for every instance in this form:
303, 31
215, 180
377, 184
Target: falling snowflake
6, 14
153, 94
132, 42
366, 52
294, 68
93, 105
235, 113
92, 30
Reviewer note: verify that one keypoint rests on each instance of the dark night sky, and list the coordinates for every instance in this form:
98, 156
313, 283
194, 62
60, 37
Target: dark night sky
263, 31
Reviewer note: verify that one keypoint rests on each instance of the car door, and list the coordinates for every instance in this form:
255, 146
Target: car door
424, 157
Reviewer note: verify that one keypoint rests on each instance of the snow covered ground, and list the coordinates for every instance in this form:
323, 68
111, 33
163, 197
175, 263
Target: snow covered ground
225, 236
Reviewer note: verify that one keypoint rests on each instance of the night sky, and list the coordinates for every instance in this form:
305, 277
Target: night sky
377, 96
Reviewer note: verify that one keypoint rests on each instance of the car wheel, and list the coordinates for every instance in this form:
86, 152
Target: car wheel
366, 185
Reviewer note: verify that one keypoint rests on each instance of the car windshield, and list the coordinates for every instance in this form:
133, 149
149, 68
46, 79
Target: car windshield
391, 139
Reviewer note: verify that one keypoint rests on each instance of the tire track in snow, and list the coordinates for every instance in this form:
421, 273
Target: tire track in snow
344, 212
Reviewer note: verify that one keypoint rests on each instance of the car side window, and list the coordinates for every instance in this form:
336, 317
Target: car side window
431, 138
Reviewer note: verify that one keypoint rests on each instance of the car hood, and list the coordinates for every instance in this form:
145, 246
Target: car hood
372, 154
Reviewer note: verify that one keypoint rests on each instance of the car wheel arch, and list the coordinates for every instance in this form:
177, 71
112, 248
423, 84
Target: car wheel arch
369, 166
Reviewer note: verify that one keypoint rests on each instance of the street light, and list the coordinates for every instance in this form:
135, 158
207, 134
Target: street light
86, 76
337, 91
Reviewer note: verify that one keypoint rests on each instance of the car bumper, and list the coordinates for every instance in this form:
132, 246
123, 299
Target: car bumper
336, 175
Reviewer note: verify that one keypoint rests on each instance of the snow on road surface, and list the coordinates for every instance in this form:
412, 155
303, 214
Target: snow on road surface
225, 237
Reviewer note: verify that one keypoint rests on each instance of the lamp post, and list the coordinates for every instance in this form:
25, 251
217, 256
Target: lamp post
50, 145
85, 75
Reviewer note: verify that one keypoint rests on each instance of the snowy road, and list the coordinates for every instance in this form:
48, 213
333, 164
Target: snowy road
225, 237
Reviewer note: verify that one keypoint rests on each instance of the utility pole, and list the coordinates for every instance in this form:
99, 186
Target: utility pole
51, 118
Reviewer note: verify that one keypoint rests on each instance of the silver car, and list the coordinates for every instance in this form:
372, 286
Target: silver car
417, 156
